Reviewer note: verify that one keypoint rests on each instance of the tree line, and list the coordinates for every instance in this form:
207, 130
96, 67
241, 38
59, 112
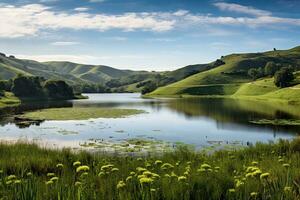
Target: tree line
37, 87
283, 75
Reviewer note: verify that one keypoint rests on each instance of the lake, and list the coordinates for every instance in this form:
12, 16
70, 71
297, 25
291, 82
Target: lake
197, 121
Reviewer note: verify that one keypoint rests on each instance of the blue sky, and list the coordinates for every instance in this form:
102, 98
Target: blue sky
145, 34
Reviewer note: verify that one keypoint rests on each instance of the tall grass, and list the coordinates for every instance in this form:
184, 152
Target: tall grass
264, 171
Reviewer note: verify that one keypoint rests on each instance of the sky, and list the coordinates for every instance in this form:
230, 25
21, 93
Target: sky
151, 35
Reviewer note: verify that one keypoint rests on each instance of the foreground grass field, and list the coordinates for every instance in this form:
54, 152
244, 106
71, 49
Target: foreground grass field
264, 171
76, 113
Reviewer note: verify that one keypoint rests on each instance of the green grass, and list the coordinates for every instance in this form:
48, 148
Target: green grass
219, 81
264, 171
77, 113
9, 100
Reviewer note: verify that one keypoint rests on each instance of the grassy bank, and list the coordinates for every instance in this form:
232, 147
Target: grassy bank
77, 113
9, 100
265, 171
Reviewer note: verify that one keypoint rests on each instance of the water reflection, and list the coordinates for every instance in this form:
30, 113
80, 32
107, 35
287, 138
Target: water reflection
194, 121
232, 111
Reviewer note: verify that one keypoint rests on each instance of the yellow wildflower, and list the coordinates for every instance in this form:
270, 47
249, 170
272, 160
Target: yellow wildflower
17, 181
166, 166
114, 169
77, 183
146, 180
286, 165
232, 190
287, 189
264, 176
205, 166
49, 182
141, 169
121, 185
10, 177
182, 178
59, 165
129, 178
76, 163
54, 179
158, 162
253, 194
82, 168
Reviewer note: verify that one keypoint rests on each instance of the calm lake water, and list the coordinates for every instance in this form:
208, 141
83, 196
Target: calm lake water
193, 121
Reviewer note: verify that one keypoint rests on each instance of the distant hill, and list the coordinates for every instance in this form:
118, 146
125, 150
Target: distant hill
230, 78
74, 73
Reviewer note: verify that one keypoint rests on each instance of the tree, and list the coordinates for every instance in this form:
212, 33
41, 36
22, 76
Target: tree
270, 69
58, 89
27, 86
6, 85
255, 73
149, 88
283, 77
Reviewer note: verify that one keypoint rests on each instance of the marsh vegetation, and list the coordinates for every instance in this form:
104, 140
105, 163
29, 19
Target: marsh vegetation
263, 171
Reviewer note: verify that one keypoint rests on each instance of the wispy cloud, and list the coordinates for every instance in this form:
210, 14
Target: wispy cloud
96, 1
32, 19
29, 20
241, 9
81, 9
64, 43
48, 1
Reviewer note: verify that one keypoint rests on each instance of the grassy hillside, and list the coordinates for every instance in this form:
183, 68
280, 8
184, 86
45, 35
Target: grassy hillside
231, 78
74, 73
10, 67
89, 73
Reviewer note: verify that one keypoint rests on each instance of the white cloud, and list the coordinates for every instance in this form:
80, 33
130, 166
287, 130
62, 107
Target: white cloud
64, 43
48, 1
34, 19
81, 9
241, 9
96, 1
247, 21
30, 20
181, 13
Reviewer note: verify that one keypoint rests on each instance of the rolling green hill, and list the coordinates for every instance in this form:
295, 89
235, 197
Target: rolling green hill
74, 73
231, 78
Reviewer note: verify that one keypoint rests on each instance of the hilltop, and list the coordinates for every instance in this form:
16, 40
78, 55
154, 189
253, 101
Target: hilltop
232, 79
80, 74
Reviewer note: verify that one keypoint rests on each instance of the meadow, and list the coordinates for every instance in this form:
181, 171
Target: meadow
263, 171
79, 113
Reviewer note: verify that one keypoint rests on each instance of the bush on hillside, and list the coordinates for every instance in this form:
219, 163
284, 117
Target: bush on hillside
270, 68
284, 77
150, 87
255, 73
